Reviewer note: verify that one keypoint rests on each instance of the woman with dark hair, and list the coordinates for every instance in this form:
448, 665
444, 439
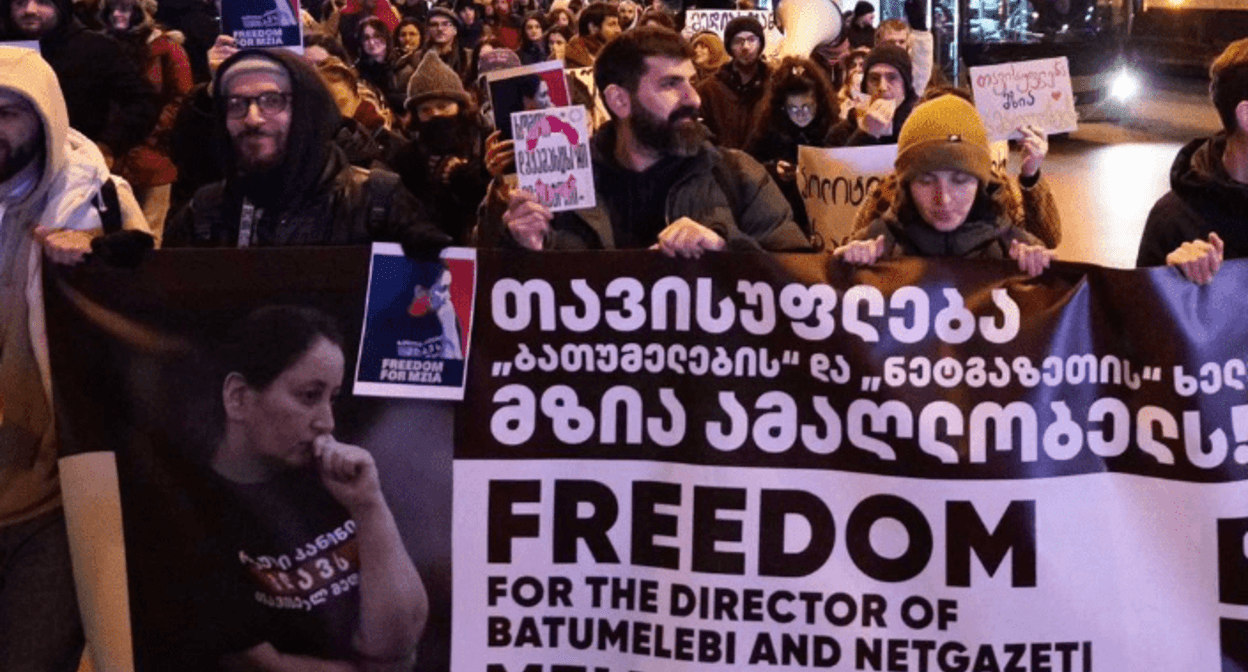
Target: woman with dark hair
532, 39
307, 567
376, 61
159, 55
557, 39
948, 201
407, 37
797, 110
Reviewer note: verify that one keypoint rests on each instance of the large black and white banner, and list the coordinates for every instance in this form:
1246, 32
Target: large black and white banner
748, 461
754, 462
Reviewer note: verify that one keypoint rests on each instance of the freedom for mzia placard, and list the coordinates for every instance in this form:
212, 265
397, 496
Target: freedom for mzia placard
553, 158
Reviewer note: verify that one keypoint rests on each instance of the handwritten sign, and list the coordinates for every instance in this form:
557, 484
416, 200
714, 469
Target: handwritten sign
835, 181
1037, 93
716, 21
552, 156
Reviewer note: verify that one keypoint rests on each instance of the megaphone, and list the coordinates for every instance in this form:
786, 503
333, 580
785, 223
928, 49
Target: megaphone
807, 24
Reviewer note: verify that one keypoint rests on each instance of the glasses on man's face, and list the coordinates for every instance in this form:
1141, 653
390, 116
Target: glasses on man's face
800, 109
742, 40
269, 102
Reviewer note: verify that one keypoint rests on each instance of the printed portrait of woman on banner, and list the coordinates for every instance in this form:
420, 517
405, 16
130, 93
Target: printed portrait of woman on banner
309, 566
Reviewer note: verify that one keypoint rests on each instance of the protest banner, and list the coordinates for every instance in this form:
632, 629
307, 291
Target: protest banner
738, 461
787, 463
418, 315
553, 157
717, 20
834, 181
1036, 93
137, 371
528, 87
263, 23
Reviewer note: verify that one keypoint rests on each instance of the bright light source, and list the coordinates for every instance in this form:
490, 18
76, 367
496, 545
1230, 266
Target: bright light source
1124, 86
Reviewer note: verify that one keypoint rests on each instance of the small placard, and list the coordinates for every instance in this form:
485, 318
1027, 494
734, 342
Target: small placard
552, 156
417, 319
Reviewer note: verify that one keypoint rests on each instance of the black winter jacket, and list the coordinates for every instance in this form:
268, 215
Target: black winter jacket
1202, 199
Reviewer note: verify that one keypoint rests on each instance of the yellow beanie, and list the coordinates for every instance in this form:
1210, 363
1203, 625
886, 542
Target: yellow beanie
943, 134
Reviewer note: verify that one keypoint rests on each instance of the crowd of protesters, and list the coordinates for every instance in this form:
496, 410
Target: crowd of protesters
140, 126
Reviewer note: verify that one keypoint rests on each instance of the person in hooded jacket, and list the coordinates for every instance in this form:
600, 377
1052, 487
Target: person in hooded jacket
948, 203
1203, 219
285, 182
109, 101
53, 189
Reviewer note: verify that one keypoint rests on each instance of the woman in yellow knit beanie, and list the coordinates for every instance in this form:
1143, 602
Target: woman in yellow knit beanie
947, 205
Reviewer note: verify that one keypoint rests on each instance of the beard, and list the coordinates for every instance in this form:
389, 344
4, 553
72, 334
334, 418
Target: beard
248, 161
681, 134
14, 159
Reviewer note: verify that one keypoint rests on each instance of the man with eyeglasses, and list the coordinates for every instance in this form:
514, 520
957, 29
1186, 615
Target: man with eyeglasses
731, 99
442, 29
286, 182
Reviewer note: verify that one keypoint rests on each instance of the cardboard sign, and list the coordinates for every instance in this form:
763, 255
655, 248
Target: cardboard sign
530, 87
835, 181
716, 20
417, 319
1036, 93
263, 23
552, 156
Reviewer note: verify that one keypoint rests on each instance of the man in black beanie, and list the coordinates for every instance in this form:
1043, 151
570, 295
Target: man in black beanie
730, 99
887, 79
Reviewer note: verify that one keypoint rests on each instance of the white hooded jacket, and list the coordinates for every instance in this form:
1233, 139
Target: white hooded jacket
60, 192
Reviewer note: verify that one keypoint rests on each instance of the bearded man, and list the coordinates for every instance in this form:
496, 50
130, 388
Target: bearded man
659, 183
